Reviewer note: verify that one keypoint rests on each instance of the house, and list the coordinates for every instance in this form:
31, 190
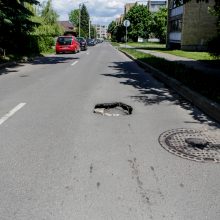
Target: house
67, 27
190, 25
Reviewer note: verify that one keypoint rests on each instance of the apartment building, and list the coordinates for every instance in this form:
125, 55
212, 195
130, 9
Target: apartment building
155, 5
127, 7
101, 31
190, 25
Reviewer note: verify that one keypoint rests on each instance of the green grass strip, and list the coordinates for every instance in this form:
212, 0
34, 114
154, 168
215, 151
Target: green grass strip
204, 83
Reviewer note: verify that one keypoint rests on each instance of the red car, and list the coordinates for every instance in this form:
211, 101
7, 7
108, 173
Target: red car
67, 44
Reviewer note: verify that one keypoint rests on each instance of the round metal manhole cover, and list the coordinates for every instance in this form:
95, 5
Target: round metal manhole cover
197, 145
113, 109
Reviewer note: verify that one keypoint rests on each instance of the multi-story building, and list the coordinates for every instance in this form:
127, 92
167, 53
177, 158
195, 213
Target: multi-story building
127, 7
101, 31
190, 25
155, 5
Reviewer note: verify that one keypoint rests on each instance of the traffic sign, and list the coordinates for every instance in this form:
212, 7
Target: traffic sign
126, 23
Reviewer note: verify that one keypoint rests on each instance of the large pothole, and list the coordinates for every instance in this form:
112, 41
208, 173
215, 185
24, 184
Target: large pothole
197, 145
113, 109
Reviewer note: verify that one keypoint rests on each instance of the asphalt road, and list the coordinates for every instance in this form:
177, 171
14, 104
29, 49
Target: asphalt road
60, 161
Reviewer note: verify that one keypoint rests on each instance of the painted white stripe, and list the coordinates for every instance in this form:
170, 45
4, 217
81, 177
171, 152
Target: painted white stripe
11, 113
74, 63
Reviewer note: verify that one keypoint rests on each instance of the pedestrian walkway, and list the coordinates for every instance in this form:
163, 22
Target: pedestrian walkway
198, 65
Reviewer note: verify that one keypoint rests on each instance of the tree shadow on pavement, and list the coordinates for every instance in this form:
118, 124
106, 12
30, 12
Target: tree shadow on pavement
10, 69
52, 60
153, 92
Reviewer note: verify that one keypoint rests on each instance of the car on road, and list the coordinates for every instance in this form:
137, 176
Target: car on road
82, 42
91, 42
67, 44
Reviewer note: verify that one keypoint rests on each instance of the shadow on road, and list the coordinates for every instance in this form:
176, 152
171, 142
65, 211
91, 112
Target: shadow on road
153, 92
53, 60
39, 60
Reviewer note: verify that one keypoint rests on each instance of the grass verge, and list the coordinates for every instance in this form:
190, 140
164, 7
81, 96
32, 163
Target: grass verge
204, 83
115, 44
203, 56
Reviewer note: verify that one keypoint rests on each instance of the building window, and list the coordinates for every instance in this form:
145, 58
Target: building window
176, 25
177, 3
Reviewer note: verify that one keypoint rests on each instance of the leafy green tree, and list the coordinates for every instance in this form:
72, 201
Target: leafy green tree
159, 24
74, 18
112, 30
48, 28
15, 24
111, 27
93, 31
141, 19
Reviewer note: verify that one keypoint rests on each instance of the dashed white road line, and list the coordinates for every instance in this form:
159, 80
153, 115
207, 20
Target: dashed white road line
74, 63
11, 113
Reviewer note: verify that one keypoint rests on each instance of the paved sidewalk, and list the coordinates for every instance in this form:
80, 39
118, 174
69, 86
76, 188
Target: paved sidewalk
186, 61
207, 106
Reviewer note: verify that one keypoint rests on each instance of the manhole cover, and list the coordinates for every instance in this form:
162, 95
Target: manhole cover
113, 109
197, 145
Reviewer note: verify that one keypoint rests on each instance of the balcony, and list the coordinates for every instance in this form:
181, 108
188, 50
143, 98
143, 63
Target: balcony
175, 37
176, 11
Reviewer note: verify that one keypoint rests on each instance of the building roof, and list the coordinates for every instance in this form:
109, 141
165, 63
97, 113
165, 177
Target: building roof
67, 25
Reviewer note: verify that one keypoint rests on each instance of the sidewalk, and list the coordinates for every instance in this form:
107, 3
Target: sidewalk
206, 105
186, 61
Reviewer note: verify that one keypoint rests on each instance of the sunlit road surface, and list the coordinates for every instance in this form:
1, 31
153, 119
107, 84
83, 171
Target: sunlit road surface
60, 161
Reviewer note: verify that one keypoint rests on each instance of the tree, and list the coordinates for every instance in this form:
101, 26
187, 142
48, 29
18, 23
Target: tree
84, 22
48, 28
140, 18
112, 30
93, 31
74, 17
15, 24
159, 24
50, 18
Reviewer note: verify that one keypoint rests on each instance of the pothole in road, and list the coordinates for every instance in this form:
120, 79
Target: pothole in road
113, 109
197, 145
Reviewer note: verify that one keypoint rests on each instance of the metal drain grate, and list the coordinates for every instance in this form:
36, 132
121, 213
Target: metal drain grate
113, 109
197, 145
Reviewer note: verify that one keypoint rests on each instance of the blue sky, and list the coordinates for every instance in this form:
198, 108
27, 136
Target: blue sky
101, 11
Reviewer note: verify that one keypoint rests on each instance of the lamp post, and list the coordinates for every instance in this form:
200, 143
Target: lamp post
80, 4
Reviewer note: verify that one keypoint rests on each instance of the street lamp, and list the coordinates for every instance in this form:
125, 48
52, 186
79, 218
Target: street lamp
80, 4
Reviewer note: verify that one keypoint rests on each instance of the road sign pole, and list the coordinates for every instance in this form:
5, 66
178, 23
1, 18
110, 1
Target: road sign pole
126, 38
126, 24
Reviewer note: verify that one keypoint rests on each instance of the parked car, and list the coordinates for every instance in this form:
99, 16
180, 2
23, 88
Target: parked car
82, 42
91, 42
67, 44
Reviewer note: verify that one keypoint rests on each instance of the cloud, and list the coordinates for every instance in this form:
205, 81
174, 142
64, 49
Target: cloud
100, 11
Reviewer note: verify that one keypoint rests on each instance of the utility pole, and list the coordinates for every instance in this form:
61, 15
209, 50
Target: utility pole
89, 29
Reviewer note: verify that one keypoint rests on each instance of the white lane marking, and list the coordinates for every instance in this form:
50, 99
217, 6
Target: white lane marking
11, 113
74, 63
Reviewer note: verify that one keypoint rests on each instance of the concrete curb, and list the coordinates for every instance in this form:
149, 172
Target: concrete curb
209, 107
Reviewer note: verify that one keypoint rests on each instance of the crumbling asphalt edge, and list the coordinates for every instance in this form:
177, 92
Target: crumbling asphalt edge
212, 109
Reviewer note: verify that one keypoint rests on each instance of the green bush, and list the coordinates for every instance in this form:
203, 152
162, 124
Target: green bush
45, 43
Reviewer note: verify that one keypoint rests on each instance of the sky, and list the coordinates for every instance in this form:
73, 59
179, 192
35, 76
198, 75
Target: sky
100, 11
